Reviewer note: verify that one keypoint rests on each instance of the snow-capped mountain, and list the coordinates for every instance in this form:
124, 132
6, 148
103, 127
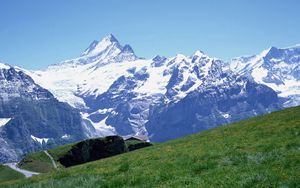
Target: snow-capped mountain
120, 93
205, 94
277, 68
83, 75
32, 119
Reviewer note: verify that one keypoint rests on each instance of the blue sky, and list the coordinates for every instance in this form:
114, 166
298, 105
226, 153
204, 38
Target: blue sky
34, 33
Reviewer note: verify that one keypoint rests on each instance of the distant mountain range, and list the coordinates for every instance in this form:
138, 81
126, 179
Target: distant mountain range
109, 90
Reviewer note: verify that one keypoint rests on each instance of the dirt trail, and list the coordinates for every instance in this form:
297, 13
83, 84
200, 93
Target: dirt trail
51, 158
26, 173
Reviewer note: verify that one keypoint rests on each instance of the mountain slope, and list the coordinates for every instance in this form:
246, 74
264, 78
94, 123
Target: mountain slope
259, 152
211, 107
120, 93
277, 68
32, 119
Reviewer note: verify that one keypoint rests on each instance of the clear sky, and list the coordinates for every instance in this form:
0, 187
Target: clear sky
35, 33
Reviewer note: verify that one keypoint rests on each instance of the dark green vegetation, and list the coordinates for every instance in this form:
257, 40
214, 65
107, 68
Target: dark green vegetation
260, 152
8, 174
136, 144
93, 149
80, 152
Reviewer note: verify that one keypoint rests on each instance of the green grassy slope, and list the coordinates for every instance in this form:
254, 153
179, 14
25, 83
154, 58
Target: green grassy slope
260, 152
40, 162
36, 162
8, 174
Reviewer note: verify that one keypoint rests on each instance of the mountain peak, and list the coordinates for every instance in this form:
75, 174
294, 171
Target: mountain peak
273, 48
110, 38
96, 47
199, 53
4, 66
159, 58
127, 49
126, 53
272, 52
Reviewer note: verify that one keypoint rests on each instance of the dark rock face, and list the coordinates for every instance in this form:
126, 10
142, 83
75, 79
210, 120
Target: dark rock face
105, 101
34, 113
121, 100
94, 149
209, 108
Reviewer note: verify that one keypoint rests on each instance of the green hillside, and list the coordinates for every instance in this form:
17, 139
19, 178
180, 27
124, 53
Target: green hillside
8, 174
40, 162
260, 152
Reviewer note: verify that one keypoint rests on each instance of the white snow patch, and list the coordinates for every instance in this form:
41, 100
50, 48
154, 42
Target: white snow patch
239, 65
179, 57
290, 87
226, 116
66, 136
156, 83
259, 73
4, 66
199, 53
40, 140
4, 121
101, 127
102, 111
